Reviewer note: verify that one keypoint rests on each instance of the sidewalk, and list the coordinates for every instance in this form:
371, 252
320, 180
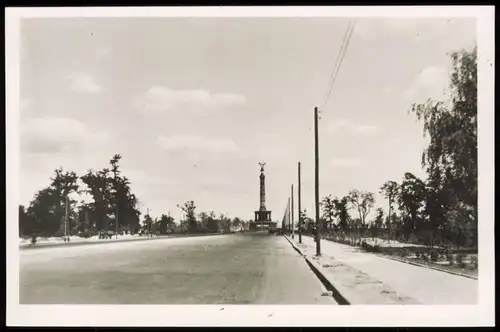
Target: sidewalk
364, 278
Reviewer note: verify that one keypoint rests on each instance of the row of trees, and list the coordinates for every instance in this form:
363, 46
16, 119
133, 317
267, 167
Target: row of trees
111, 199
208, 221
58, 206
444, 204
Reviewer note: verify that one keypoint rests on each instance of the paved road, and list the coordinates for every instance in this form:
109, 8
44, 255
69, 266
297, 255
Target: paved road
233, 269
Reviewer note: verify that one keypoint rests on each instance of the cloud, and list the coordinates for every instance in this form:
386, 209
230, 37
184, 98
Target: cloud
195, 143
432, 82
346, 163
347, 126
84, 83
53, 135
161, 99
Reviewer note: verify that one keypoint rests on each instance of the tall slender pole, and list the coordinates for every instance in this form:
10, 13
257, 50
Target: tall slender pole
66, 218
116, 218
292, 221
116, 199
300, 211
289, 216
316, 182
149, 223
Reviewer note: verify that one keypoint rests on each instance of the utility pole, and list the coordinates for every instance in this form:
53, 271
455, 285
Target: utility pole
116, 202
300, 211
316, 182
66, 218
169, 225
149, 222
292, 222
117, 218
289, 217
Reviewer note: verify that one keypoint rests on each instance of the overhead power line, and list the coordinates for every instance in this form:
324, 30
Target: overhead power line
340, 59
337, 60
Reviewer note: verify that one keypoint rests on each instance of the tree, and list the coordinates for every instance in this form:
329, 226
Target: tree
190, 210
450, 159
44, 209
390, 191
362, 201
47, 210
99, 187
236, 223
224, 222
26, 222
328, 209
64, 184
342, 212
83, 221
112, 196
379, 219
213, 223
166, 224
412, 194
148, 225
128, 211
203, 216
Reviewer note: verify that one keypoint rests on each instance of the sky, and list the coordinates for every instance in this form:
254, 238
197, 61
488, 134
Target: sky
194, 104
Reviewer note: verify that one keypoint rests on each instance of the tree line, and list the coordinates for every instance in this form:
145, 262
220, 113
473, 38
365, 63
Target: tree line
441, 207
55, 207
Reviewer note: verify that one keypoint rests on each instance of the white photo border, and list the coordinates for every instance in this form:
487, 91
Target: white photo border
481, 314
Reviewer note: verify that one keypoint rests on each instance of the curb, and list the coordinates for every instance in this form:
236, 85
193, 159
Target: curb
71, 244
341, 300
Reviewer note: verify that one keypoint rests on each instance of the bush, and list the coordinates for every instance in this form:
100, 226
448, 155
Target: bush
474, 261
85, 234
364, 244
449, 256
460, 260
417, 254
404, 252
434, 256
58, 233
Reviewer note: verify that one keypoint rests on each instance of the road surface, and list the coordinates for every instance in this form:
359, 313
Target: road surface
233, 269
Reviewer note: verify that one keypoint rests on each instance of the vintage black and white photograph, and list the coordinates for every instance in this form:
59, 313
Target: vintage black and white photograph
245, 160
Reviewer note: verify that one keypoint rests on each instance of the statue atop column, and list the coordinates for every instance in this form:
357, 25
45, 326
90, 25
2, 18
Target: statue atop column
262, 216
262, 164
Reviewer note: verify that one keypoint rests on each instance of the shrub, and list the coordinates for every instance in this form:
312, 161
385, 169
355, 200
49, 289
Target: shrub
58, 233
404, 252
417, 254
85, 234
434, 256
364, 244
474, 261
425, 258
460, 260
449, 256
